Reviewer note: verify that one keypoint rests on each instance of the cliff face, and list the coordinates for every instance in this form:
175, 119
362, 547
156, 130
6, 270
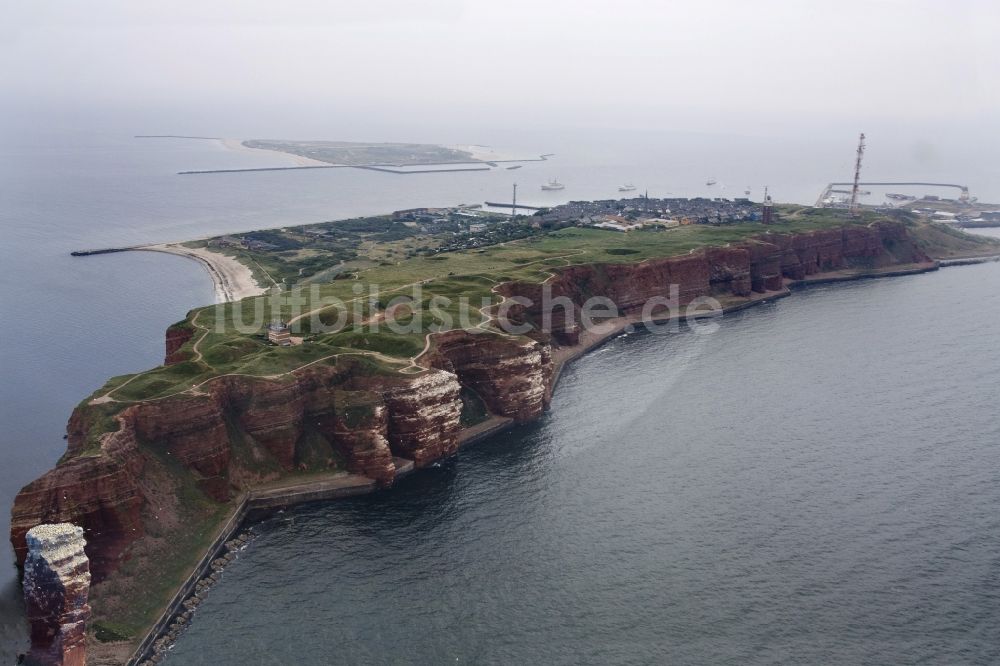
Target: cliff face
761, 264
191, 430
510, 374
177, 336
56, 586
235, 432
98, 491
424, 417
357, 422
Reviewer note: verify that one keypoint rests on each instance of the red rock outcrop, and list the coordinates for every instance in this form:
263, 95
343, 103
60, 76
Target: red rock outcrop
424, 416
729, 270
56, 587
96, 490
510, 374
178, 335
356, 424
271, 413
191, 428
878, 245
366, 418
760, 264
767, 266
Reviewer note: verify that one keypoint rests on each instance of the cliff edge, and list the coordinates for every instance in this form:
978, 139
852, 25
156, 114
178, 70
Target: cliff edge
148, 481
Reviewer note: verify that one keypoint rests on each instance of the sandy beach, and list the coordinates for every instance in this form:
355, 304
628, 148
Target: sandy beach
237, 144
485, 153
233, 281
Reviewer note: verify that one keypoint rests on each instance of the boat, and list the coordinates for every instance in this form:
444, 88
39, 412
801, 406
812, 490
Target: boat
627, 187
900, 197
746, 192
553, 185
516, 166
710, 182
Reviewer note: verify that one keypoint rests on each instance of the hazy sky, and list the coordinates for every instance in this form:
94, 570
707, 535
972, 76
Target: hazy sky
612, 62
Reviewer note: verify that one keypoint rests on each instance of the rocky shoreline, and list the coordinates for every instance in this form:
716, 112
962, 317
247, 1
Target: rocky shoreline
378, 423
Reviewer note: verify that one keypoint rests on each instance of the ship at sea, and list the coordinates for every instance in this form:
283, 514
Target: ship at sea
710, 182
628, 187
553, 185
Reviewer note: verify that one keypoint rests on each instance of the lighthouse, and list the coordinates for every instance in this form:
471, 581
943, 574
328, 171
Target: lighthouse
768, 208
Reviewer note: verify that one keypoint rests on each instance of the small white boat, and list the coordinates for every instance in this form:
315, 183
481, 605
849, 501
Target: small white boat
628, 187
710, 182
553, 185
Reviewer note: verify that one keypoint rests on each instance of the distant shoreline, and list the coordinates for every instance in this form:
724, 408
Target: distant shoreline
237, 145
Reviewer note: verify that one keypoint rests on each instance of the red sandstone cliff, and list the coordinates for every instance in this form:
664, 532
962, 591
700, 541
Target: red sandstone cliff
238, 431
761, 264
97, 490
510, 374
177, 336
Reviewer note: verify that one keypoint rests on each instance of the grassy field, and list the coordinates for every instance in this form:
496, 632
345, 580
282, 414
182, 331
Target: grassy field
945, 242
229, 338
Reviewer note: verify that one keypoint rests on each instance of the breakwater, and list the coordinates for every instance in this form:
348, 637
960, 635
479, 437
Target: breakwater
412, 171
104, 250
251, 169
496, 204
967, 261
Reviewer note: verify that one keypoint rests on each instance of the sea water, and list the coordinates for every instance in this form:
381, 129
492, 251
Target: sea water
70, 323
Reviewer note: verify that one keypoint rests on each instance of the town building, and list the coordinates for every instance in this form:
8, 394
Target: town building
618, 226
279, 334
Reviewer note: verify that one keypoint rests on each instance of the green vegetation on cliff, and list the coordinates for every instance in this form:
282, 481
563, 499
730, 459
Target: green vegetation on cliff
335, 317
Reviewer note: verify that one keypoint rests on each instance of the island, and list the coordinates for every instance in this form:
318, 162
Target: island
385, 157
356, 351
356, 153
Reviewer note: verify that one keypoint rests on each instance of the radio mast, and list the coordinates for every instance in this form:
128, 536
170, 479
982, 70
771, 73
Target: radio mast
855, 212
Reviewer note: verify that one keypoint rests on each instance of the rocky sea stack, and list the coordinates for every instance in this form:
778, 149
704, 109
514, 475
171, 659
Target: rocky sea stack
56, 587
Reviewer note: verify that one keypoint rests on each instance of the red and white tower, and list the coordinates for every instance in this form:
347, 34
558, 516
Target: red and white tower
855, 211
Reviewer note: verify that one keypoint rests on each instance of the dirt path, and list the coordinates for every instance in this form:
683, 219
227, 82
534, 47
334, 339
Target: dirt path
410, 365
